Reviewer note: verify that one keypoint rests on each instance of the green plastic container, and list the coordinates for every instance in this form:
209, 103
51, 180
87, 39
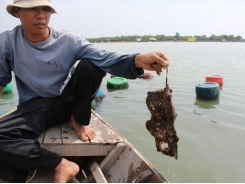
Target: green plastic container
117, 83
8, 88
207, 90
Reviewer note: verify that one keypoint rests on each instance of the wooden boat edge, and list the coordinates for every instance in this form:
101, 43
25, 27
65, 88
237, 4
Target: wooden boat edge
132, 147
121, 146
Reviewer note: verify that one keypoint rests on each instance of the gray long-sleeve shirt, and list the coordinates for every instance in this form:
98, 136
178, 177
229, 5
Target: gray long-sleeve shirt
41, 68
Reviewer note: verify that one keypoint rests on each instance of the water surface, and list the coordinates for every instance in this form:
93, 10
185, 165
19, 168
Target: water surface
212, 133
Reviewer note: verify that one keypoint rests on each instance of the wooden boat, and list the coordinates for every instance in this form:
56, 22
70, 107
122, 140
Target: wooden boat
109, 157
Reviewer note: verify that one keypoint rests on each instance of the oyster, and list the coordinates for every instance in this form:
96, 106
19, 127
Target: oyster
161, 124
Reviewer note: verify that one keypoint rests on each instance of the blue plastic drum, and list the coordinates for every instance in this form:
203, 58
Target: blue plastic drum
207, 90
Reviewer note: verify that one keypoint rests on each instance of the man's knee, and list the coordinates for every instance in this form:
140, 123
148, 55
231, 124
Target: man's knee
85, 65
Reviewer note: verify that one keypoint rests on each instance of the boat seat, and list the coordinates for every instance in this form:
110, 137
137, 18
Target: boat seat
64, 141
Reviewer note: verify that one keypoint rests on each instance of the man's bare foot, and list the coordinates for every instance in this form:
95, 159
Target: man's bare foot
65, 171
83, 132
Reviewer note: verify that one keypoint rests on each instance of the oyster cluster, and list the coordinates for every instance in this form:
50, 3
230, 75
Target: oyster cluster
161, 124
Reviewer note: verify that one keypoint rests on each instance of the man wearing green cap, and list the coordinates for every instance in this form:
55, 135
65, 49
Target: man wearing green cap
41, 58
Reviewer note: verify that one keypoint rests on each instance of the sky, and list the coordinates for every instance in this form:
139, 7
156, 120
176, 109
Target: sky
108, 18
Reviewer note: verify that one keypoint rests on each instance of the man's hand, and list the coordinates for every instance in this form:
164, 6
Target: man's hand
153, 61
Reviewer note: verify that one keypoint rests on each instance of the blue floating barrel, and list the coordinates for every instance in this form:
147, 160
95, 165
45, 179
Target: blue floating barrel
93, 104
99, 94
207, 90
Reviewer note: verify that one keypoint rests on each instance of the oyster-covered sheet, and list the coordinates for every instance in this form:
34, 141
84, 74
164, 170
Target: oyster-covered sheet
161, 124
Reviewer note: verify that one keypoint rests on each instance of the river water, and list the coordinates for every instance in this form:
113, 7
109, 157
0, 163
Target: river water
211, 132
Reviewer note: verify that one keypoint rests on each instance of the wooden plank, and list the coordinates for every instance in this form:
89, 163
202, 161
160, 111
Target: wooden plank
106, 164
53, 136
97, 173
65, 142
143, 177
41, 137
126, 171
157, 177
108, 134
129, 167
134, 156
76, 150
122, 171
104, 134
69, 136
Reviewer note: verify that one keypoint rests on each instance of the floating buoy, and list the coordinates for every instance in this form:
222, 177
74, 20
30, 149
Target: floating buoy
215, 78
93, 104
207, 90
146, 76
8, 88
99, 95
117, 83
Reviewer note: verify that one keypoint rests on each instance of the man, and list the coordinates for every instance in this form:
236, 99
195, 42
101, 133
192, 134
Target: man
41, 58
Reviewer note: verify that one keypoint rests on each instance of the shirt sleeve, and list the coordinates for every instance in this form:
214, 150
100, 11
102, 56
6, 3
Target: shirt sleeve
115, 63
5, 70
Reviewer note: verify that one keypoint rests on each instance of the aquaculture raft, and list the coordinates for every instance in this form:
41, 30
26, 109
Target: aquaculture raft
207, 90
117, 83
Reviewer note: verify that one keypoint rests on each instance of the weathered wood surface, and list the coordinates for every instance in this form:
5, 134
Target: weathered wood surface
122, 162
64, 141
97, 173
130, 165
110, 159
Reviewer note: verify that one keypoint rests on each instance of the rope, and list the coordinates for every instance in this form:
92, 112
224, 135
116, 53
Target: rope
32, 176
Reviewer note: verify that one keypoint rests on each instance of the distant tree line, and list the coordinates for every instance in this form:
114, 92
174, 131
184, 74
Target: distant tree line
162, 38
